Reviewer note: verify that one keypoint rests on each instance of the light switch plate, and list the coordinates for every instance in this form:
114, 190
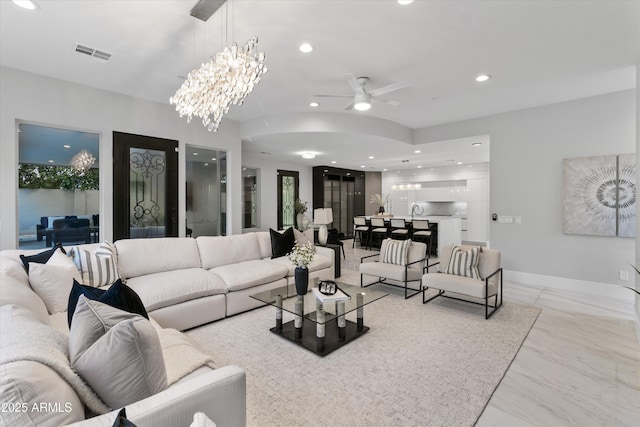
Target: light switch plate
505, 219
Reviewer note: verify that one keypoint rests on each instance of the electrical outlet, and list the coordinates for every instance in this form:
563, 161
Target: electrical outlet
624, 275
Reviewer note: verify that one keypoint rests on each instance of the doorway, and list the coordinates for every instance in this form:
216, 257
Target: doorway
288, 192
145, 186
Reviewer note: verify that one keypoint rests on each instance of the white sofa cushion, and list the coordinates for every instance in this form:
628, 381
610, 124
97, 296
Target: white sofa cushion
11, 266
216, 251
264, 243
24, 384
137, 257
389, 271
159, 290
243, 275
117, 353
318, 263
458, 284
14, 292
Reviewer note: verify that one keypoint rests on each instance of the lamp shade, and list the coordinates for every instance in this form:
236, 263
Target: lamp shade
322, 216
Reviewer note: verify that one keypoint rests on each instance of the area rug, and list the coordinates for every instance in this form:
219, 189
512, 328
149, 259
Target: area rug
419, 365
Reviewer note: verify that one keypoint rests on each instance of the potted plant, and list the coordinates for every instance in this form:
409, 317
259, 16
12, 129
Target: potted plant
380, 200
300, 208
302, 256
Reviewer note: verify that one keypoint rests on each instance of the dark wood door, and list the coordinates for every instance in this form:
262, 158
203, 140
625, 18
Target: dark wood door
288, 192
145, 186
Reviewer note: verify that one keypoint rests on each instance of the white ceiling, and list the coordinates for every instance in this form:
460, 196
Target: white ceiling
538, 52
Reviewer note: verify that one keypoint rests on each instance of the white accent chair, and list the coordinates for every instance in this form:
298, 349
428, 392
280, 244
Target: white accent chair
489, 286
410, 272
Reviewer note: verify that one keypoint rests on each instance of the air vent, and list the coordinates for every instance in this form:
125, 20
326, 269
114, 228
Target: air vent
98, 54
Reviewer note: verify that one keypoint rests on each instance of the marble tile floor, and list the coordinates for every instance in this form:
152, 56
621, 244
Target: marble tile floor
579, 365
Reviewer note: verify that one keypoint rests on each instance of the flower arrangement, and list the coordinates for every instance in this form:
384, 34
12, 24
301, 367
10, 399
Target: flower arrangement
299, 206
379, 199
302, 256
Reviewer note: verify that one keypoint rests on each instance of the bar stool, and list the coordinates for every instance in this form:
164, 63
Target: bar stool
422, 233
360, 227
399, 229
378, 228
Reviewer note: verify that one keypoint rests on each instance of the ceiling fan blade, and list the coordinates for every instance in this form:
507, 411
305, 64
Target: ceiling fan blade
350, 106
353, 83
389, 88
333, 96
386, 101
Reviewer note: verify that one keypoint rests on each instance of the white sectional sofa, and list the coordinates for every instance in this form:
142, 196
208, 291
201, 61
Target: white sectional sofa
183, 283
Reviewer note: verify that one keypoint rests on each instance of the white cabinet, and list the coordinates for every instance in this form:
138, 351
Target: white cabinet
477, 190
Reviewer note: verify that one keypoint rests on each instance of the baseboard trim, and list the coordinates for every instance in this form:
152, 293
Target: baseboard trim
562, 283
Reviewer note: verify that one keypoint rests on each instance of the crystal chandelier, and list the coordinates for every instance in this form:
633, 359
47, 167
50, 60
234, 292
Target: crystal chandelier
82, 161
225, 80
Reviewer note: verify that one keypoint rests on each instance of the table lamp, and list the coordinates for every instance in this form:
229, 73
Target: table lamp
322, 217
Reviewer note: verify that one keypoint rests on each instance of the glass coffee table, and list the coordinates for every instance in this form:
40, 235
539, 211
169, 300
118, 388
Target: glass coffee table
319, 327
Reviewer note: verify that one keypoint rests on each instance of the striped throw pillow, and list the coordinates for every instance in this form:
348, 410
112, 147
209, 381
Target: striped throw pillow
98, 268
396, 252
464, 263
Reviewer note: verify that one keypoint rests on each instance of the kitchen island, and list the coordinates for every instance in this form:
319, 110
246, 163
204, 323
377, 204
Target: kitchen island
446, 230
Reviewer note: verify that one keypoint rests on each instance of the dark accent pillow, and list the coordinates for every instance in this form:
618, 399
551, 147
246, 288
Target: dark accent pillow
122, 421
281, 243
118, 296
42, 257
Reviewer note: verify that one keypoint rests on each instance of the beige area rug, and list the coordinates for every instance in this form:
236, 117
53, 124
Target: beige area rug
419, 365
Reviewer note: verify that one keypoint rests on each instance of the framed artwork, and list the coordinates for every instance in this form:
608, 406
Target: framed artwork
599, 195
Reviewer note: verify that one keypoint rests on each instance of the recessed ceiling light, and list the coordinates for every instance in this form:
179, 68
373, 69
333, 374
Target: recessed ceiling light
326, 170
361, 166
419, 167
206, 164
195, 154
308, 155
483, 78
384, 170
51, 161
213, 158
66, 146
348, 173
314, 104
459, 163
244, 169
333, 162
305, 48
404, 2
477, 144
26, 4
417, 151
371, 157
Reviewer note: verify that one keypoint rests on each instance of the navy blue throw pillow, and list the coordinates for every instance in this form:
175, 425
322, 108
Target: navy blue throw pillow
118, 296
282, 243
121, 420
42, 257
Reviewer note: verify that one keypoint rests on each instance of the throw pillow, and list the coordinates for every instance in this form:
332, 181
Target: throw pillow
98, 268
118, 295
42, 257
117, 353
464, 263
52, 282
396, 252
121, 420
281, 243
200, 419
304, 237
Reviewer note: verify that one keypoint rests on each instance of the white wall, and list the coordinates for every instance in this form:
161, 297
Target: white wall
42, 100
527, 148
267, 187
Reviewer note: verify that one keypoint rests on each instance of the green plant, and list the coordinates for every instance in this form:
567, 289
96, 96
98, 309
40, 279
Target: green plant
299, 206
56, 177
302, 256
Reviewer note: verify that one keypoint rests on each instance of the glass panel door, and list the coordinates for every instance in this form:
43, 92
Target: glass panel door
147, 187
249, 197
288, 191
206, 176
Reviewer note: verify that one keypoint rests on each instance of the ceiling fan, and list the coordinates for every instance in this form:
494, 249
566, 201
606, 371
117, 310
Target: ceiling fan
362, 97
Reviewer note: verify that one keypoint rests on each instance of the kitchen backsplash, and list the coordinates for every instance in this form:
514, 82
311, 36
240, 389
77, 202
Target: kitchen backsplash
441, 209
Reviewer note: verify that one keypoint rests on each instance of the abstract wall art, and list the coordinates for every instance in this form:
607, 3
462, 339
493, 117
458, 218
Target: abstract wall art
599, 197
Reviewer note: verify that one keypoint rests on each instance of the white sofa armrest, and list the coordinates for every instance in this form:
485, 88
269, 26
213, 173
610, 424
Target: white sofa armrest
329, 253
220, 394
